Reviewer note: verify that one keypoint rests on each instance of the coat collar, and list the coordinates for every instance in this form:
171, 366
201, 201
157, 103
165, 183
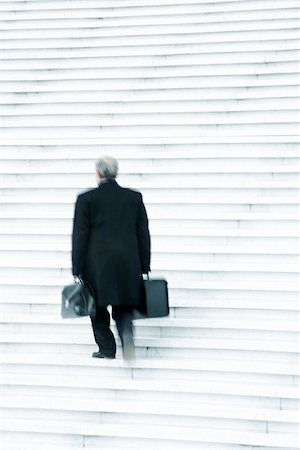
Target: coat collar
107, 181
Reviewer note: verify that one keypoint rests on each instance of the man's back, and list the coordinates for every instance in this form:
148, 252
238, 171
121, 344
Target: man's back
113, 213
111, 243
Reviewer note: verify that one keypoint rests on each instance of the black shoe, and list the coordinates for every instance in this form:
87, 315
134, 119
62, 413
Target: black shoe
102, 355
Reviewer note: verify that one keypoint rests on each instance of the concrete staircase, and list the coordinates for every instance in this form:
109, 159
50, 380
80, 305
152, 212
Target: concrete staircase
198, 101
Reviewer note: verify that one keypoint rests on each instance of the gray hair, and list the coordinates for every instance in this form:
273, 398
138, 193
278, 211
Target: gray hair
107, 167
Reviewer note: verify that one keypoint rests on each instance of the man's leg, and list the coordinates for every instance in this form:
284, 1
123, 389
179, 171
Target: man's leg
103, 334
123, 317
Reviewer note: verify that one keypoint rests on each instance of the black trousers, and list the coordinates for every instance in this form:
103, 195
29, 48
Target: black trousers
101, 327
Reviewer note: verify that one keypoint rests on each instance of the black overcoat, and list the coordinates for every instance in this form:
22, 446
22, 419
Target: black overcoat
111, 243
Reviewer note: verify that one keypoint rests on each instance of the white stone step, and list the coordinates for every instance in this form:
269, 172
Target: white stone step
71, 107
142, 83
144, 167
162, 387
53, 360
152, 60
221, 238
285, 247
113, 48
143, 182
139, 140
199, 323
32, 358
208, 124
157, 14
28, 441
150, 419
139, 8
159, 371
228, 31
61, 233
153, 38
177, 339
180, 299
167, 196
162, 131
163, 14
154, 153
46, 4
180, 308
62, 229
147, 407
245, 352
52, 286
234, 58
141, 95
162, 211
58, 273
150, 432
173, 243
8, 278
38, 306
201, 118
191, 261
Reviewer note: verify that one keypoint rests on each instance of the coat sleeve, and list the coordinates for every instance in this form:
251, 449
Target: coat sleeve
143, 236
80, 236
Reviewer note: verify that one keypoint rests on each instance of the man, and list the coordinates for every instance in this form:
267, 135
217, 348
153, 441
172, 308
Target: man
111, 251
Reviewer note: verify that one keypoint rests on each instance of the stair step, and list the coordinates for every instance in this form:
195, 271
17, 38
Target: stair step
166, 14
138, 83
157, 212
187, 260
24, 380
183, 197
149, 432
238, 360
146, 407
165, 167
62, 250
229, 347
73, 106
279, 324
61, 229
228, 32
159, 153
190, 27
179, 303
136, 8
140, 95
139, 140
8, 278
55, 4
150, 39
51, 360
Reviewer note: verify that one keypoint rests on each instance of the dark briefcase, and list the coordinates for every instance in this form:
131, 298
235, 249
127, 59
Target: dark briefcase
156, 299
77, 300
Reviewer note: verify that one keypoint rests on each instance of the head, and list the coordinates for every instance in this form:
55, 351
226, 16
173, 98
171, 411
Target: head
106, 167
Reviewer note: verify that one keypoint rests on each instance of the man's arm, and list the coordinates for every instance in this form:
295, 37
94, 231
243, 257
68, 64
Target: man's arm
143, 237
80, 237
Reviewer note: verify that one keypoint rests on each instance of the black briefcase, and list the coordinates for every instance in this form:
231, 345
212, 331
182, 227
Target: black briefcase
155, 299
77, 300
